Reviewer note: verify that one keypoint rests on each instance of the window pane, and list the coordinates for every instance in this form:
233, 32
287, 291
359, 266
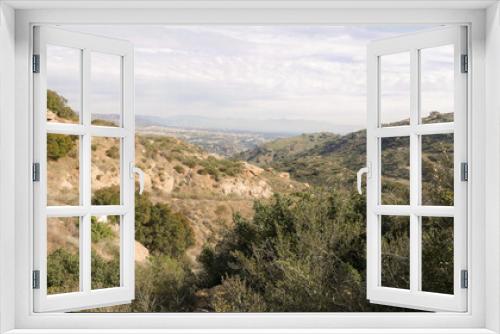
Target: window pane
437, 254
395, 89
106, 171
437, 84
63, 169
106, 89
395, 171
63, 262
395, 244
63, 84
437, 169
105, 234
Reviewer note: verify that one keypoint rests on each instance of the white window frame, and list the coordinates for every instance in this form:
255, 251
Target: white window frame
86, 297
16, 310
415, 297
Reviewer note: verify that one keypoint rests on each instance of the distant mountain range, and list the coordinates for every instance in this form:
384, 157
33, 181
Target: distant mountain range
269, 126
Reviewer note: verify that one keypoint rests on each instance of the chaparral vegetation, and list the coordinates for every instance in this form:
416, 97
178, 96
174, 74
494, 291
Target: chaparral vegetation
276, 228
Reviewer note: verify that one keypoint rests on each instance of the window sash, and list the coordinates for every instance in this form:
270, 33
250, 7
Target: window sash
415, 297
86, 297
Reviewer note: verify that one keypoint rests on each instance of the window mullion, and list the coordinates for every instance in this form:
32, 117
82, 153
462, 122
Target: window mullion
85, 229
415, 228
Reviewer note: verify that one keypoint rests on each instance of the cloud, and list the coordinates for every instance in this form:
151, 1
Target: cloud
297, 72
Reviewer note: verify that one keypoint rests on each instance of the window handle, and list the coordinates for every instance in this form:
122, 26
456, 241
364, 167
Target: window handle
136, 170
364, 170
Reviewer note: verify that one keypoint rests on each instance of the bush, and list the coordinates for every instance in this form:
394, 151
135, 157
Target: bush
299, 253
59, 146
58, 105
220, 167
179, 169
103, 122
161, 230
100, 231
233, 295
164, 284
62, 271
105, 273
113, 152
106, 196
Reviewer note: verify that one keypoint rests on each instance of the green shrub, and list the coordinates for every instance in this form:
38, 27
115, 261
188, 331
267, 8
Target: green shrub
160, 229
113, 152
179, 169
233, 295
299, 253
106, 196
220, 167
164, 284
59, 146
58, 104
62, 271
105, 273
189, 162
103, 122
100, 231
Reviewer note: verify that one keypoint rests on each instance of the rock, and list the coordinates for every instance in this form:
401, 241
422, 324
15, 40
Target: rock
284, 175
246, 188
141, 253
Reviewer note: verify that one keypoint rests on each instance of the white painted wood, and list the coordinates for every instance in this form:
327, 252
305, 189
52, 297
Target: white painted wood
420, 210
7, 167
443, 322
414, 297
86, 297
492, 152
280, 4
415, 170
418, 129
82, 129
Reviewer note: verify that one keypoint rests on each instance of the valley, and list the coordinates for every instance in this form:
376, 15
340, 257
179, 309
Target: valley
234, 221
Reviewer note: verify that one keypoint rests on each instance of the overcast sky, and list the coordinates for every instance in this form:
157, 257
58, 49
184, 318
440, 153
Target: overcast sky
250, 72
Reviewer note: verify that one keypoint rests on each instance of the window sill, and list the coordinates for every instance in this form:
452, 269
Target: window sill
254, 331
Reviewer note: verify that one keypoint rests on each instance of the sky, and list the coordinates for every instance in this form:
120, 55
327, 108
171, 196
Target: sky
315, 73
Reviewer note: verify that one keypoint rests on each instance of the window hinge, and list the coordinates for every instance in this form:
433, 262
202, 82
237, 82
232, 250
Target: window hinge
464, 171
36, 172
36, 63
465, 63
36, 279
464, 279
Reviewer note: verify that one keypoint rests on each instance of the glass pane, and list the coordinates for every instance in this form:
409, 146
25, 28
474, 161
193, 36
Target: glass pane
63, 169
395, 244
63, 262
106, 171
437, 84
437, 169
395, 171
63, 84
395, 89
437, 254
106, 89
105, 235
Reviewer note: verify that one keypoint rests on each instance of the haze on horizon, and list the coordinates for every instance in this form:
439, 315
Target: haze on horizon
295, 73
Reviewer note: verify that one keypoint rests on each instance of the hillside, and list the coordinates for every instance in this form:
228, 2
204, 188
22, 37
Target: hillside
243, 234
205, 188
326, 159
